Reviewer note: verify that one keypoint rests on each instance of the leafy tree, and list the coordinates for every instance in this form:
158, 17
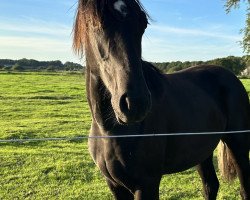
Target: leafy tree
232, 63
4, 62
246, 39
70, 66
246, 60
195, 63
57, 64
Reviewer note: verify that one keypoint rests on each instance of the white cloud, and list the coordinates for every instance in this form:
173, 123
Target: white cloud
165, 43
36, 48
35, 26
32, 38
43, 40
195, 32
33, 43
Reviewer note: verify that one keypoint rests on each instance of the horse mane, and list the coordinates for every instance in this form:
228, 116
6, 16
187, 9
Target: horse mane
151, 67
153, 77
90, 11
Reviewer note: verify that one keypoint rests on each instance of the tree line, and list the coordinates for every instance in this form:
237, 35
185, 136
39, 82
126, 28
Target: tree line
34, 65
235, 64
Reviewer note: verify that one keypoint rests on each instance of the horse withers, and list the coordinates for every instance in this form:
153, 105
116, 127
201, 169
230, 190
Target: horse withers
129, 96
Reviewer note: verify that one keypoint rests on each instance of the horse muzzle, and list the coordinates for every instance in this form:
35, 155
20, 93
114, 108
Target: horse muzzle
133, 109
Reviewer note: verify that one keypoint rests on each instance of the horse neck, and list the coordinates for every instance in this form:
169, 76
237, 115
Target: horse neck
154, 79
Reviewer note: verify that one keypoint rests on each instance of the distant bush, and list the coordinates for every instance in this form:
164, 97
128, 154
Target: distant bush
34, 65
7, 68
51, 68
17, 67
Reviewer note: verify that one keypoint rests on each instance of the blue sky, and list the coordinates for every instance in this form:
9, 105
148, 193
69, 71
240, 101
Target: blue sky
180, 30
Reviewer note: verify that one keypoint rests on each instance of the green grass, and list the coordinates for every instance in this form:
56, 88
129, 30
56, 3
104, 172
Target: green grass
37, 105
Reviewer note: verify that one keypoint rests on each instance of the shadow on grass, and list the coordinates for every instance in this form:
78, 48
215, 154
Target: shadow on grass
23, 144
41, 91
21, 135
39, 143
183, 195
52, 97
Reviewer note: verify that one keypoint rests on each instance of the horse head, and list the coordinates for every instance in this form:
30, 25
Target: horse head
110, 34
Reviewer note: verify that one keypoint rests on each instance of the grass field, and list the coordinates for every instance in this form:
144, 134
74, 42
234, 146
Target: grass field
37, 105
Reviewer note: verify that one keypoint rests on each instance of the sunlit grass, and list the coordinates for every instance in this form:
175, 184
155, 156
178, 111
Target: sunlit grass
37, 105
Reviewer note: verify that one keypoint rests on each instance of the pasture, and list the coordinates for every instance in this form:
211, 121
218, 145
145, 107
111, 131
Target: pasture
38, 105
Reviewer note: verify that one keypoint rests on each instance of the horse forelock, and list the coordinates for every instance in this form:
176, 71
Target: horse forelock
90, 10
86, 11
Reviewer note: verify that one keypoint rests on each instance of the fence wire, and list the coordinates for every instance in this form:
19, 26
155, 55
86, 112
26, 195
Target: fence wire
120, 136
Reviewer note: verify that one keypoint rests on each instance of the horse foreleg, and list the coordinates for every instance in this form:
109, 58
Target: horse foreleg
119, 192
148, 190
209, 178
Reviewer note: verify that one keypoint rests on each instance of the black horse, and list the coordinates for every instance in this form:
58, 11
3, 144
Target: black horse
130, 96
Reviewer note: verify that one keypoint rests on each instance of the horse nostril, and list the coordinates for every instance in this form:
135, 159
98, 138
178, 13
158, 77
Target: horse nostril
125, 104
133, 108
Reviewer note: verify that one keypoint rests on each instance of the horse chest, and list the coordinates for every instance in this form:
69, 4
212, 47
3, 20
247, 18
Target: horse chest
115, 162
125, 162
